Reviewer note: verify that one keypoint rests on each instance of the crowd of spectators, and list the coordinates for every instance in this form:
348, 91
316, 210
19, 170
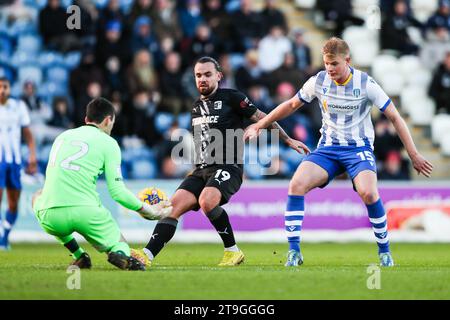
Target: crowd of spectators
140, 55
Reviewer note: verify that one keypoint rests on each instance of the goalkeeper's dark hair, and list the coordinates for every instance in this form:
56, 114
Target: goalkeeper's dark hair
98, 109
4, 79
212, 60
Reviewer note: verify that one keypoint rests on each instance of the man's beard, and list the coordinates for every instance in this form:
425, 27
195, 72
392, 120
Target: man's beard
206, 91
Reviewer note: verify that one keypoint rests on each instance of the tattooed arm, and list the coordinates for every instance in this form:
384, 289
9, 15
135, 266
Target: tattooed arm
294, 144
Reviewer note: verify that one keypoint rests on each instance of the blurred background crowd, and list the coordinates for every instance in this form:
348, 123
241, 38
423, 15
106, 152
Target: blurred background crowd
140, 55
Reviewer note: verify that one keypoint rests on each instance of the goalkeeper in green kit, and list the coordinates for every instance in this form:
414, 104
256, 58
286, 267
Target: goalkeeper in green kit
69, 201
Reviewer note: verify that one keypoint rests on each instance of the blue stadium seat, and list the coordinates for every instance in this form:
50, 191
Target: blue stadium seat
184, 120
292, 158
35, 3
143, 169
254, 171
126, 5
29, 43
50, 58
6, 71
72, 60
29, 72
66, 3
163, 121
21, 58
16, 89
100, 3
58, 74
49, 90
6, 46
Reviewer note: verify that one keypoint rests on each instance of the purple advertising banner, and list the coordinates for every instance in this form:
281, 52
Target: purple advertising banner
258, 207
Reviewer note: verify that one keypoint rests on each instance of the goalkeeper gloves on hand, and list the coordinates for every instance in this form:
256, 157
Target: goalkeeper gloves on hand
156, 211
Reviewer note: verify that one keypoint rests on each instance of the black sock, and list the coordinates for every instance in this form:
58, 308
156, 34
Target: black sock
72, 245
164, 231
219, 219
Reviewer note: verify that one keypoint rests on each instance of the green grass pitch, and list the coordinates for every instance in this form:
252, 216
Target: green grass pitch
189, 271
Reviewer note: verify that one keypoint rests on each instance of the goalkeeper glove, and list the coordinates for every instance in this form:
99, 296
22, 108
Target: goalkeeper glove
156, 211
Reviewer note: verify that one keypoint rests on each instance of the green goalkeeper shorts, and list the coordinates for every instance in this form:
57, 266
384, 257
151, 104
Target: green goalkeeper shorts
95, 224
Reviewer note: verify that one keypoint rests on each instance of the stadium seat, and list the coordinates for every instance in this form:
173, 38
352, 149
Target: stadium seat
420, 77
445, 144
6, 47
408, 65
305, 4
30, 72
409, 97
184, 120
100, 3
6, 71
163, 121
392, 82
35, 3
16, 89
292, 158
440, 125
383, 64
29, 43
58, 74
20, 58
364, 53
360, 7
50, 58
72, 60
423, 9
143, 169
422, 111
49, 90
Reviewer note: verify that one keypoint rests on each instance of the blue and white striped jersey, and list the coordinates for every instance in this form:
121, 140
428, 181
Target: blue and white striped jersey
13, 117
345, 107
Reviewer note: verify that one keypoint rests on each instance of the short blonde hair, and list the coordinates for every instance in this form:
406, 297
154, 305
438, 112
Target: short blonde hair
336, 46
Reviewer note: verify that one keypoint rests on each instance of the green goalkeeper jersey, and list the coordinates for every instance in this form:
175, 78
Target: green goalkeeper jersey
77, 158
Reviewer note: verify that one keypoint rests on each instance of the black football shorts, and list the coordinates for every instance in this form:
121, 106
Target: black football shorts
226, 178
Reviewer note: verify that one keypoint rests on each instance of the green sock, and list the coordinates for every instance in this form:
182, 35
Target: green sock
77, 254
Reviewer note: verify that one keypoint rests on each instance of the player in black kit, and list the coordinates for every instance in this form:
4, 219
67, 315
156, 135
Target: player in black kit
218, 173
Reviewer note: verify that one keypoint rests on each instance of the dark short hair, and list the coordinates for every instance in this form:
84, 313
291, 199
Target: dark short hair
98, 109
212, 60
4, 79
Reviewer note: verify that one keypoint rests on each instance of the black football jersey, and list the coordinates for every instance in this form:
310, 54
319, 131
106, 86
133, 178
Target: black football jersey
218, 123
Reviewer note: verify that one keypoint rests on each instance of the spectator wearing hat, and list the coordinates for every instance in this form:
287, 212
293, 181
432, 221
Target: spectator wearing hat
111, 12
113, 54
394, 168
141, 8
143, 38
190, 18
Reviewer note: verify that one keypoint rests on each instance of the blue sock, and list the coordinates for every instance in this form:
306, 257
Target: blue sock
9, 222
293, 219
377, 217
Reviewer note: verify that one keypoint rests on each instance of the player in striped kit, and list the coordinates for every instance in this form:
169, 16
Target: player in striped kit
14, 119
346, 96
